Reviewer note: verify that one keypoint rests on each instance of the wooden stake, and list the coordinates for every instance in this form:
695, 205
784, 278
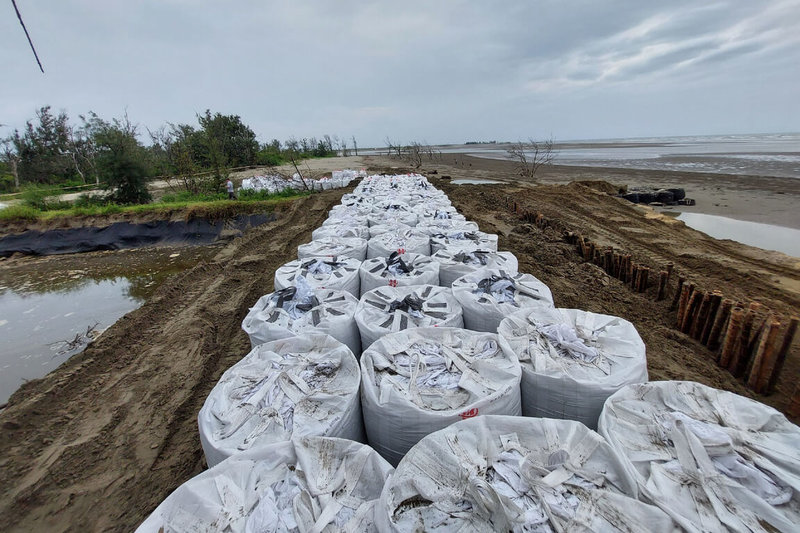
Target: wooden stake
764, 360
696, 330
713, 307
663, 277
741, 356
644, 273
691, 310
634, 276
719, 324
783, 351
731, 336
670, 266
686, 289
676, 298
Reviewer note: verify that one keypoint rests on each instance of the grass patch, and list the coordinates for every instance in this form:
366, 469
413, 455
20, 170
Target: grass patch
20, 212
219, 207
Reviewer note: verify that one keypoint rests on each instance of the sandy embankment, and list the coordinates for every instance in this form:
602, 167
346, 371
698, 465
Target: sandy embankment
99, 442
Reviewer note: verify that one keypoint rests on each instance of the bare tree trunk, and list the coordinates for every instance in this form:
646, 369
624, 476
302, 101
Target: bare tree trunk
14, 172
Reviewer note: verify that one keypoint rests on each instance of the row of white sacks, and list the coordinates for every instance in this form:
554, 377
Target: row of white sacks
669, 456
416, 380
273, 183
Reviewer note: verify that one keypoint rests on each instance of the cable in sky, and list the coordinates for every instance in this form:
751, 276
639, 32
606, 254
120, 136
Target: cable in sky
27, 35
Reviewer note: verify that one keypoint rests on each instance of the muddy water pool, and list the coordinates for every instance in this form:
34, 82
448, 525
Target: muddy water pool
49, 304
765, 236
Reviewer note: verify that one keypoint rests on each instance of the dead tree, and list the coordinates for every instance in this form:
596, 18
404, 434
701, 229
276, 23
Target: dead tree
531, 155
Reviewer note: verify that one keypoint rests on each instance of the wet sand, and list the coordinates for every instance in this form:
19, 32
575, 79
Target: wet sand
766, 200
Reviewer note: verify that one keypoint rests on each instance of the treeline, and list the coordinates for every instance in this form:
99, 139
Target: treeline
52, 151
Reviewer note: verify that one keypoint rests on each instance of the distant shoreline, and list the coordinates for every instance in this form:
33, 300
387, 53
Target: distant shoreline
763, 199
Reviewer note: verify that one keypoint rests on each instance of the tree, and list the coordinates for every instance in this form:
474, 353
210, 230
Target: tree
43, 149
531, 155
121, 159
227, 141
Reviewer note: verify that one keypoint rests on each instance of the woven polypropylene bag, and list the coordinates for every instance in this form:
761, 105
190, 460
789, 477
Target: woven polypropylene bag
321, 273
290, 387
421, 380
503, 473
307, 484
396, 270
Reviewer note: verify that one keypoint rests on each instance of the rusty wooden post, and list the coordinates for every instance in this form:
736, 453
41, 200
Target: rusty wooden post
686, 289
731, 337
741, 357
670, 266
644, 273
699, 322
719, 324
677, 296
764, 360
634, 275
713, 307
691, 310
663, 276
783, 351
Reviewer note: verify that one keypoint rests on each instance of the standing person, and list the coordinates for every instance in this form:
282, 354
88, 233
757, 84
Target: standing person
229, 187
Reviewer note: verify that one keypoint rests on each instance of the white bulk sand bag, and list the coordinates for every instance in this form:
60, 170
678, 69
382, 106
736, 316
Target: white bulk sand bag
400, 241
454, 264
465, 240
377, 229
489, 295
389, 309
503, 473
417, 381
340, 230
713, 460
306, 484
398, 270
344, 217
340, 273
436, 209
296, 386
301, 309
334, 247
572, 360
393, 218
348, 211
438, 227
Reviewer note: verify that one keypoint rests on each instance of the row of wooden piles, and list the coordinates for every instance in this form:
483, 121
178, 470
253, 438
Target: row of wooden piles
747, 340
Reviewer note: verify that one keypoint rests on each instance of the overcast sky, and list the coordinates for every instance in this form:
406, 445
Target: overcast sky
440, 71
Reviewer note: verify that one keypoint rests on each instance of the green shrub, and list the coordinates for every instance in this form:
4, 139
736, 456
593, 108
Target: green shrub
91, 200
19, 212
43, 198
188, 196
251, 196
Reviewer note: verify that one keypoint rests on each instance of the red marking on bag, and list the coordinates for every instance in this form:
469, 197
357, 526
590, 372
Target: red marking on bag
401, 251
469, 414
393, 283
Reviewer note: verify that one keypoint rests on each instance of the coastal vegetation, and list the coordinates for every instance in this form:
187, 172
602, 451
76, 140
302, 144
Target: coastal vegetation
53, 155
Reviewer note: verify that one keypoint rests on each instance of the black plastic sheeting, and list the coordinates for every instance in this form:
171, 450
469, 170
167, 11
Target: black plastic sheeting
125, 235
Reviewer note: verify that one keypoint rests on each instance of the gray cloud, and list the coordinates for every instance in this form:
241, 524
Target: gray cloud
443, 71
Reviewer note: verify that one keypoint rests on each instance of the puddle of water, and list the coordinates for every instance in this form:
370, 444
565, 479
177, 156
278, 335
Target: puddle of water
473, 182
765, 236
35, 326
45, 304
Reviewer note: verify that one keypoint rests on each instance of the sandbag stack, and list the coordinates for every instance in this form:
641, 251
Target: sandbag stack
452, 331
